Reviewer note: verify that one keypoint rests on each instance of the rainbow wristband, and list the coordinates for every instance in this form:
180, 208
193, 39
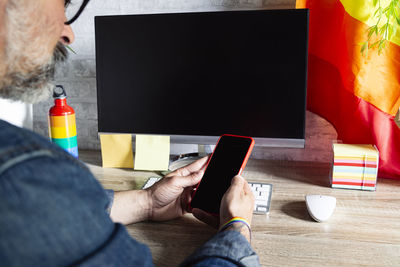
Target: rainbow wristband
236, 220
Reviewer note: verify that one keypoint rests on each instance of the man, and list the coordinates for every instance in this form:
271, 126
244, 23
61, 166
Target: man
53, 211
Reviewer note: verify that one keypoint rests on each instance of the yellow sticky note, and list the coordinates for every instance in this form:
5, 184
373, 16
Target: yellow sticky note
152, 152
356, 150
116, 150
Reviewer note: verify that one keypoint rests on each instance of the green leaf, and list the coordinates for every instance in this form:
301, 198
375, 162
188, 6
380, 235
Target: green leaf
391, 8
378, 12
364, 46
397, 19
381, 45
374, 44
386, 11
383, 29
371, 30
375, 2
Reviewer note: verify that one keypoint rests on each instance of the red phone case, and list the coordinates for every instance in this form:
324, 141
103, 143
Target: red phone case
241, 167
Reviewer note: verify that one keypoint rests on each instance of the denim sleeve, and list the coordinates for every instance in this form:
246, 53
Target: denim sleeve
53, 210
227, 248
110, 196
53, 214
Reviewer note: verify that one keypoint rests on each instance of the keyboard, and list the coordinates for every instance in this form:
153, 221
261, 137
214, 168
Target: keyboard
262, 194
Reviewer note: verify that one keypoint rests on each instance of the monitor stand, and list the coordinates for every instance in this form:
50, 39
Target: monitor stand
204, 150
182, 160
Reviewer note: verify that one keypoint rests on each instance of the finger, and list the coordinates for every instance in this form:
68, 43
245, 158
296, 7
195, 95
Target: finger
247, 188
186, 198
190, 180
196, 166
237, 183
206, 217
189, 193
238, 180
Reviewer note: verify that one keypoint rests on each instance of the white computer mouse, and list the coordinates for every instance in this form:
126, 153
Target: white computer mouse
320, 207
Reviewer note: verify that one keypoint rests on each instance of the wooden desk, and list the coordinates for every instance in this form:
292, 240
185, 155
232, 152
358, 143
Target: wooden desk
364, 229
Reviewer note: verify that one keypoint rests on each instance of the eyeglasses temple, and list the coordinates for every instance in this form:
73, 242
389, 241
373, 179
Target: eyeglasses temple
85, 2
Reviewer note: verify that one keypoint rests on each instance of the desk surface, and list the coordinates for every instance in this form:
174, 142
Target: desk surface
364, 229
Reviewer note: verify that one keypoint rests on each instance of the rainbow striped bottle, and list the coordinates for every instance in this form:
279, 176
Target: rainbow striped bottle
62, 125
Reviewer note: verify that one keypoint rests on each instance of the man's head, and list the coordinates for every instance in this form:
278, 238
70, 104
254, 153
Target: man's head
33, 36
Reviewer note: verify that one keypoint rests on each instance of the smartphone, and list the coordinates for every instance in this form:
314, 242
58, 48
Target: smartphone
228, 160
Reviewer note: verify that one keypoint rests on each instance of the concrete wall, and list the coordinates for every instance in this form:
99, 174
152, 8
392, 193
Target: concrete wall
78, 75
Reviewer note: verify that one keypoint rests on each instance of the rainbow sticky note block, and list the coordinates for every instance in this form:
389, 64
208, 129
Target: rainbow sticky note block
355, 166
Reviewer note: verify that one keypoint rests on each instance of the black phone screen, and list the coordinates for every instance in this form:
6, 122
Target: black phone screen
225, 163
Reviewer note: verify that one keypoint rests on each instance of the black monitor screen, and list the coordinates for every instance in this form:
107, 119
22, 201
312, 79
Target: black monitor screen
208, 73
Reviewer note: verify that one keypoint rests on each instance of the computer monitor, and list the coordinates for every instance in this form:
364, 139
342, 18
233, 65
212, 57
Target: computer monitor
195, 76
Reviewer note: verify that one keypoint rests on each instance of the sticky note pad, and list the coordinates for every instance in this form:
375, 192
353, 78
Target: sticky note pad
152, 152
116, 150
355, 166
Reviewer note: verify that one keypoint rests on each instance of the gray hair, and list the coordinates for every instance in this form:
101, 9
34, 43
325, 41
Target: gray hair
30, 66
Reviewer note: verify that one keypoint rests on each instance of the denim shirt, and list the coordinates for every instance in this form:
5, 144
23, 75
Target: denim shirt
53, 213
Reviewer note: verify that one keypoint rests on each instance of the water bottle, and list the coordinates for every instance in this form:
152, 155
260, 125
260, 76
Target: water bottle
62, 123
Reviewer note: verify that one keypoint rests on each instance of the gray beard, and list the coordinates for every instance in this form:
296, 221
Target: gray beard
35, 86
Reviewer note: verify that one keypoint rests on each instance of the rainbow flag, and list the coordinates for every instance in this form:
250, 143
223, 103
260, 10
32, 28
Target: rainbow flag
358, 93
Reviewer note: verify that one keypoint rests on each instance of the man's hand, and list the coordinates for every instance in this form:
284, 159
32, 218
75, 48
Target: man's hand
169, 198
238, 201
